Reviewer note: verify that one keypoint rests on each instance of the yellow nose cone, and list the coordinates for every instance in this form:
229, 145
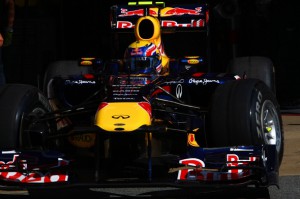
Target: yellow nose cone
122, 116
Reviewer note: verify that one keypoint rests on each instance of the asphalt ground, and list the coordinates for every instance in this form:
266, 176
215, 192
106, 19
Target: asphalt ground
289, 181
291, 157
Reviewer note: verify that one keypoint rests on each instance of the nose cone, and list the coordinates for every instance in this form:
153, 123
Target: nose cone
122, 116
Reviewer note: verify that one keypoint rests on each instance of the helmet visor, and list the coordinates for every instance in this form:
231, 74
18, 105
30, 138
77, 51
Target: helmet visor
142, 65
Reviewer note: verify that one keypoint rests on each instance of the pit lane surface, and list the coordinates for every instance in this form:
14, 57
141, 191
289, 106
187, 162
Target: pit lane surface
289, 181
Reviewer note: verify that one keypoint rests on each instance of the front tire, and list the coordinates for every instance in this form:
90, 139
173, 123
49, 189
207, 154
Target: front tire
21, 106
245, 112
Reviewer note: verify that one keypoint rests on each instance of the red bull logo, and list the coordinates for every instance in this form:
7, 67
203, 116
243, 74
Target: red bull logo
126, 13
177, 11
30, 177
193, 23
165, 12
165, 23
194, 169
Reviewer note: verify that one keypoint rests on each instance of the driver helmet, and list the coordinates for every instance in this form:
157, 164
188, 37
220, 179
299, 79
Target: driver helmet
143, 57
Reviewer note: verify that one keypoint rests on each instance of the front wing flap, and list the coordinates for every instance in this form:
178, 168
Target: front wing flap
200, 166
33, 167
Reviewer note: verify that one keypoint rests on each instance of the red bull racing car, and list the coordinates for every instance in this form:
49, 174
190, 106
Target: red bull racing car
148, 119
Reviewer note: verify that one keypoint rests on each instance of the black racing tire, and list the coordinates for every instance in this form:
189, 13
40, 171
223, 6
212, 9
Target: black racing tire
64, 68
254, 67
20, 104
245, 112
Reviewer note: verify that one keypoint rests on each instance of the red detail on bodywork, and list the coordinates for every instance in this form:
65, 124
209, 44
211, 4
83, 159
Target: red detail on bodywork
35, 177
124, 24
89, 76
102, 105
156, 92
147, 107
9, 164
31, 177
177, 11
197, 23
198, 173
126, 13
193, 23
207, 16
168, 23
165, 23
234, 161
183, 174
182, 11
192, 137
198, 74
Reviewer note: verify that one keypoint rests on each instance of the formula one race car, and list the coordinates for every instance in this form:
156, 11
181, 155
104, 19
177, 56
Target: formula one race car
147, 119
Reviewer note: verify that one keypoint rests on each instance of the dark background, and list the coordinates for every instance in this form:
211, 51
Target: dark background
50, 30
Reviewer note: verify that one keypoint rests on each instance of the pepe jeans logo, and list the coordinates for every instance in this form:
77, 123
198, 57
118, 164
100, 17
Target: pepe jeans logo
120, 116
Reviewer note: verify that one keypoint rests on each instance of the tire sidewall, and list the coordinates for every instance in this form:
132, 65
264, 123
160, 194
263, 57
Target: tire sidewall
25, 99
261, 95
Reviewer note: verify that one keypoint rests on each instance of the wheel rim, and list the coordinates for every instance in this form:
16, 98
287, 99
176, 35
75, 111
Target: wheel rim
271, 125
28, 126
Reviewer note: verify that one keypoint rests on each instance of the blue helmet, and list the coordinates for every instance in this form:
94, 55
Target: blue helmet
143, 57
